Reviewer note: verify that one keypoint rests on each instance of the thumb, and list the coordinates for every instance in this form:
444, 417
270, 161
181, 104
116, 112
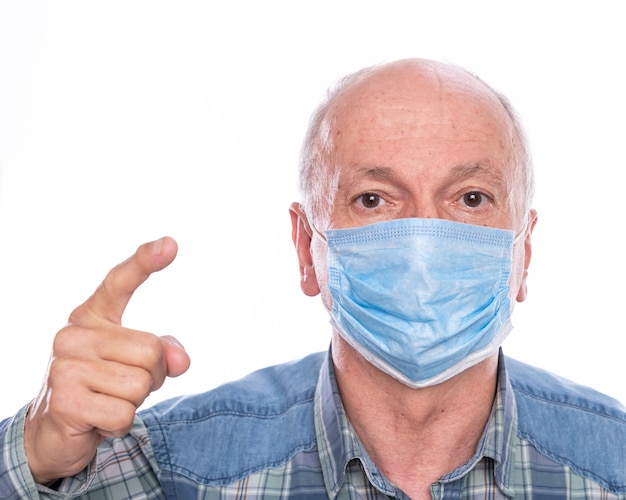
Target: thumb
176, 357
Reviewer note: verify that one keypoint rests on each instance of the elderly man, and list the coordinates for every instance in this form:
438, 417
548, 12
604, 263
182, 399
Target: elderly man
415, 229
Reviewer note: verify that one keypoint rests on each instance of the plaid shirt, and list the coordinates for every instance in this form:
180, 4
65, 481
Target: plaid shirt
282, 433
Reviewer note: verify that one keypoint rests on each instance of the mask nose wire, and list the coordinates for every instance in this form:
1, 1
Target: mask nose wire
517, 238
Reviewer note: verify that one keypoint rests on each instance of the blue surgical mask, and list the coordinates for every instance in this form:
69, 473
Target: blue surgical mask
421, 299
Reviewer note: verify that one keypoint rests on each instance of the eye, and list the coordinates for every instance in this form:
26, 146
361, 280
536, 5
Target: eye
474, 199
369, 200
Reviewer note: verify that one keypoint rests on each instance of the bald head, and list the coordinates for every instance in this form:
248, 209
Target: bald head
437, 105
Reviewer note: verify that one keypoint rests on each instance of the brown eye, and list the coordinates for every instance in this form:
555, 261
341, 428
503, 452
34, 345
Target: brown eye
370, 200
473, 199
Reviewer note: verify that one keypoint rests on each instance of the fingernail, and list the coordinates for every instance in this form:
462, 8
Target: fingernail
157, 246
173, 341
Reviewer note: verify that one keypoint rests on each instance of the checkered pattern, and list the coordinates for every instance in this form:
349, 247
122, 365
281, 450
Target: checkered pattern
335, 466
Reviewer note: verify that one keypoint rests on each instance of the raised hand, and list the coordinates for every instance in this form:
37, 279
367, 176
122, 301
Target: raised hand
99, 372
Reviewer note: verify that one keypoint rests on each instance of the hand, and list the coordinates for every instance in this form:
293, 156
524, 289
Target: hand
99, 372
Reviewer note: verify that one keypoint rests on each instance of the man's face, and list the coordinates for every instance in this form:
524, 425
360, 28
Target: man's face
432, 150
433, 143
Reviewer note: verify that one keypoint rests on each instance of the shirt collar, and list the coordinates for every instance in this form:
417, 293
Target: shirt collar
498, 441
338, 443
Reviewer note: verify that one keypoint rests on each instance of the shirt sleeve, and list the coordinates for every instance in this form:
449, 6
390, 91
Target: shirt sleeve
122, 468
16, 481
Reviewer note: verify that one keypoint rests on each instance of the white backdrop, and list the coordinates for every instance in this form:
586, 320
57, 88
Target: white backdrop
124, 121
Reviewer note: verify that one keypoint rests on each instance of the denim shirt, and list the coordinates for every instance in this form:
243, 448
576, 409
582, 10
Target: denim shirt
282, 432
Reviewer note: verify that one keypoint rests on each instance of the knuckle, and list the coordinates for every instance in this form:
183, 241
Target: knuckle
66, 339
79, 315
64, 386
138, 384
61, 401
110, 282
158, 380
116, 281
152, 349
116, 420
143, 386
62, 371
122, 419
154, 357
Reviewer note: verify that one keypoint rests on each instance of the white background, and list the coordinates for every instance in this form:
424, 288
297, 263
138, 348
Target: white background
122, 121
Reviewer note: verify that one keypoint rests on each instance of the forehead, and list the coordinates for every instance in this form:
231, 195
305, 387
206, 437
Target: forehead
418, 113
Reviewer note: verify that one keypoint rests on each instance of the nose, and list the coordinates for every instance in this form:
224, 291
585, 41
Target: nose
422, 207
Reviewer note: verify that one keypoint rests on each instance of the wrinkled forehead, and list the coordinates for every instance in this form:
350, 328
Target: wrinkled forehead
413, 109
411, 97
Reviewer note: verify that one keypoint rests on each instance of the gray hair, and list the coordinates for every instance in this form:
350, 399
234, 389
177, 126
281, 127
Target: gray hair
319, 174
524, 169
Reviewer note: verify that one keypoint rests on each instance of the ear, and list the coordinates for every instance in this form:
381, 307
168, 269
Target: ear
301, 235
523, 290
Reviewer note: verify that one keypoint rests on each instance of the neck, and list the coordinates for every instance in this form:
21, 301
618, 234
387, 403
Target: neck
415, 435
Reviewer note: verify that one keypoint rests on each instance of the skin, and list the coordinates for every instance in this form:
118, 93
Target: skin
416, 138
410, 139
99, 372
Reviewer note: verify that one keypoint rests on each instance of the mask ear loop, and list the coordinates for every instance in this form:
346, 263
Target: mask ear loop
522, 234
317, 232
308, 223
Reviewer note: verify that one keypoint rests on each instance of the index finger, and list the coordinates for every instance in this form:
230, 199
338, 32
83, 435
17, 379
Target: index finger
112, 296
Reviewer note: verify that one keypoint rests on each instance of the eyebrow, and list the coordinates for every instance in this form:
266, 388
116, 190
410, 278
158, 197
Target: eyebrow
375, 172
477, 169
458, 173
